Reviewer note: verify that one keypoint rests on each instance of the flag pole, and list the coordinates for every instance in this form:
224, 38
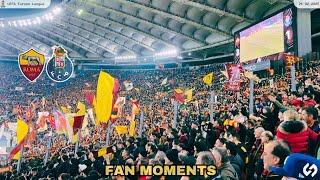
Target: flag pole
78, 144
251, 86
108, 133
211, 105
20, 159
175, 104
141, 124
48, 150
293, 78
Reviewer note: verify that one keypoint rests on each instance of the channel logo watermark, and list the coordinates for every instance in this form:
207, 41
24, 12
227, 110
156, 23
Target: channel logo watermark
307, 4
24, 4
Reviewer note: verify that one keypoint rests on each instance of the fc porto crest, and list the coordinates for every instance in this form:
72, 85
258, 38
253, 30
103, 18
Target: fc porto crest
31, 64
59, 67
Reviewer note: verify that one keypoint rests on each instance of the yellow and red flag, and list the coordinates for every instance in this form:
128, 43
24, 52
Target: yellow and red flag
179, 95
60, 122
135, 106
107, 91
188, 95
22, 132
78, 119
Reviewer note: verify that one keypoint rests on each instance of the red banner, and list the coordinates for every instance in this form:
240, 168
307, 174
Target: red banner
234, 71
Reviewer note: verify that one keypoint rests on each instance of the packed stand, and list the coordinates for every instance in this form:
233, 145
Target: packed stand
242, 146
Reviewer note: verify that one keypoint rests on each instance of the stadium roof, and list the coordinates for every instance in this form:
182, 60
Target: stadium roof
95, 30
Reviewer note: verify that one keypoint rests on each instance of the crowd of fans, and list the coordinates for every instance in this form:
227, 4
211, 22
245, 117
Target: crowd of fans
242, 146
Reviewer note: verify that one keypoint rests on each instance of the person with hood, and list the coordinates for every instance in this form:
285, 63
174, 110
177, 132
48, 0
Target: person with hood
296, 132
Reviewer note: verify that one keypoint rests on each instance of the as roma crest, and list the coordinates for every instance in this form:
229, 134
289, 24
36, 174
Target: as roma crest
59, 67
31, 64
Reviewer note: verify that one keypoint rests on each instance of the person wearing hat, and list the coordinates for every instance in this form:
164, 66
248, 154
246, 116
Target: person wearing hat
298, 166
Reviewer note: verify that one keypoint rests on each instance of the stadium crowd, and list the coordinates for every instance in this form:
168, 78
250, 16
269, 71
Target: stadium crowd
282, 132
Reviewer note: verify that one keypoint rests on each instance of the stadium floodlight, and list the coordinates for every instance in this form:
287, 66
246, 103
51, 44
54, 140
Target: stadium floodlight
29, 22
125, 57
56, 10
189, 54
79, 12
38, 20
50, 16
2, 25
20, 23
167, 53
14, 23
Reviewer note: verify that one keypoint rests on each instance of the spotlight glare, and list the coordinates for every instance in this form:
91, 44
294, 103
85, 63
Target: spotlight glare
56, 10
29, 21
167, 53
79, 12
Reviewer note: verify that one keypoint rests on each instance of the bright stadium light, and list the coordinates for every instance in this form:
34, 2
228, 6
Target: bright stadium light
20, 23
50, 16
29, 22
125, 57
167, 53
56, 10
79, 12
38, 20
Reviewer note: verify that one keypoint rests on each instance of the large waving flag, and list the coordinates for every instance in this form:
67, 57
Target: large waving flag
207, 79
60, 122
107, 91
65, 109
135, 111
135, 107
132, 126
78, 119
22, 132
188, 95
89, 97
42, 121
121, 129
179, 95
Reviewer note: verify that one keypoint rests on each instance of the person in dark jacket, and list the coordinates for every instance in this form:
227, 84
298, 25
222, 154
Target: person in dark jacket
223, 164
235, 159
310, 116
268, 120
